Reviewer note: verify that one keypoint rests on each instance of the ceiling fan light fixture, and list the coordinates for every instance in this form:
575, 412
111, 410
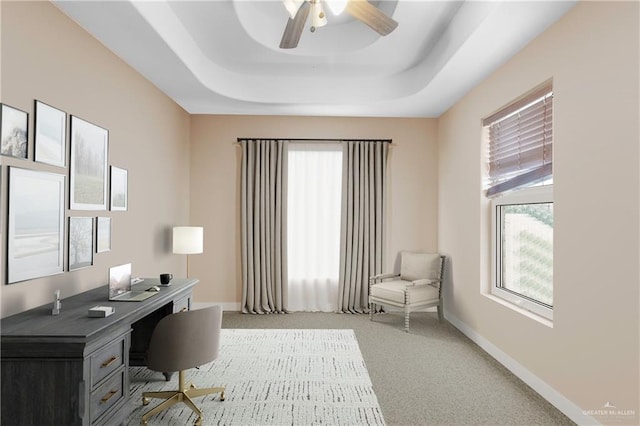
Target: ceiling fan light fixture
336, 6
292, 6
318, 17
361, 10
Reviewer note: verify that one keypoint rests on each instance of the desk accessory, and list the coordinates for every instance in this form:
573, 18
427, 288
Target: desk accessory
57, 304
165, 279
101, 311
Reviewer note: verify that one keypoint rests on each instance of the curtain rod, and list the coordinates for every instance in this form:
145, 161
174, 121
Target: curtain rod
318, 140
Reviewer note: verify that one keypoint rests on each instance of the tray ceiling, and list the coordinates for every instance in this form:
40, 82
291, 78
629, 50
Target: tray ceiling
223, 57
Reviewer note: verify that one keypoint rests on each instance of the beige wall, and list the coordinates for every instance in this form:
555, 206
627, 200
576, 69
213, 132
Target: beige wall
46, 56
215, 190
186, 170
590, 355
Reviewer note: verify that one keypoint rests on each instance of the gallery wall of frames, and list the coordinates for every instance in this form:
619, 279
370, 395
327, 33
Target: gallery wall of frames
76, 152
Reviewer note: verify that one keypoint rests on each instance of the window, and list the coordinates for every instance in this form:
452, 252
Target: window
313, 221
520, 141
523, 249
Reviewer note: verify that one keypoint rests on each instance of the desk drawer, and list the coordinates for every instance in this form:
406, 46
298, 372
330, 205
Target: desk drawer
182, 305
107, 395
106, 360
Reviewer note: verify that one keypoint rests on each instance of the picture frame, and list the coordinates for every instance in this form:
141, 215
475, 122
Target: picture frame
80, 242
14, 132
35, 235
103, 234
50, 135
119, 189
88, 165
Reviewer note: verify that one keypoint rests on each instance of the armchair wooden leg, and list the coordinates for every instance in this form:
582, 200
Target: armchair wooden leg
440, 313
406, 319
372, 307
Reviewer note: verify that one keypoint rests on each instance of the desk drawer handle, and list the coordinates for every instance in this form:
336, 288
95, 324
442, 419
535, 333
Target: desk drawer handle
108, 396
184, 309
109, 362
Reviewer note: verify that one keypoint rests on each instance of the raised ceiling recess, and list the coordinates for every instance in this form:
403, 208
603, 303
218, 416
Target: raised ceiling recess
224, 57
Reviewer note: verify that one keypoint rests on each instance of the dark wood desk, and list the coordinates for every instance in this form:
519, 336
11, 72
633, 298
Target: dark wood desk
70, 369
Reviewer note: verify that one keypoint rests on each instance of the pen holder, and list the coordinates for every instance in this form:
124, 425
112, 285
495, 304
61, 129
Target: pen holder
57, 304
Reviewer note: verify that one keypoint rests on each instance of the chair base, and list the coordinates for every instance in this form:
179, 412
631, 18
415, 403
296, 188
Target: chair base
407, 312
184, 394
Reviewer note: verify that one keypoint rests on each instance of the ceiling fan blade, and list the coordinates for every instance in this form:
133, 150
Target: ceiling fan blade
293, 30
364, 11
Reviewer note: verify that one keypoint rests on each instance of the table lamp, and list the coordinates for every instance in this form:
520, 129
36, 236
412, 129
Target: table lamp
188, 240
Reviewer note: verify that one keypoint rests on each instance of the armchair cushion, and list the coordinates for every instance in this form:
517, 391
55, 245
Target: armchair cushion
416, 266
394, 291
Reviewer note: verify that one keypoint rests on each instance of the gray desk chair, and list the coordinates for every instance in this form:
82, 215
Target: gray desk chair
418, 285
180, 341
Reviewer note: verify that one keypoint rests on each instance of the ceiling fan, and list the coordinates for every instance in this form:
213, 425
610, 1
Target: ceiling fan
362, 10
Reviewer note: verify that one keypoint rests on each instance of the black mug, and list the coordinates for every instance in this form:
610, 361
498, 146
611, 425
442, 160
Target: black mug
165, 278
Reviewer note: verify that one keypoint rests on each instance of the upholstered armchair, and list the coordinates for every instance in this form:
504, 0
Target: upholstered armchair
417, 286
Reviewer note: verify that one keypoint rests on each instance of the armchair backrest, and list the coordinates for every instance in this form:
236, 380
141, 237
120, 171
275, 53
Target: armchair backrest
417, 266
185, 340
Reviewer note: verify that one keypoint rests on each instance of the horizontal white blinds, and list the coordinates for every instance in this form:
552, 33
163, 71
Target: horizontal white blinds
521, 142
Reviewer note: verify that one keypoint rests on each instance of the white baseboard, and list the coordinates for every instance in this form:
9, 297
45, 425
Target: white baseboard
558, 400
229, 307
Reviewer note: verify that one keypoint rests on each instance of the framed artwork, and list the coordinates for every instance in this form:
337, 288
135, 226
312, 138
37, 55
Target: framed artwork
119, 184
35, 243
88, 168
103, 234
50, 135
14, 129
80, 242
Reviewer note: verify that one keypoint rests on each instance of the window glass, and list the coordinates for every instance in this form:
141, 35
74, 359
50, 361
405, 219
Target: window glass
523, 249
527, 251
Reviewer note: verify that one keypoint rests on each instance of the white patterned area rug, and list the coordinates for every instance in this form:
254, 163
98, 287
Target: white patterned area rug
272, 377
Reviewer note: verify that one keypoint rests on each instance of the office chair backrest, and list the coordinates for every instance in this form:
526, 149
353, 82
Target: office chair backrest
185, 340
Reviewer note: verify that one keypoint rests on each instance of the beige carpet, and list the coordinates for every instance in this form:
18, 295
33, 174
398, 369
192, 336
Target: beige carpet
432, 376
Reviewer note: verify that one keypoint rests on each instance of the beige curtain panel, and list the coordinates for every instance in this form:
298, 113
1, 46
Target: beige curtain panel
264, 235
363, 217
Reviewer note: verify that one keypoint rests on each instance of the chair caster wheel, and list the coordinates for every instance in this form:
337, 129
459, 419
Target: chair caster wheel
222, 396
145, 401
192, 386
198, 421
143, 423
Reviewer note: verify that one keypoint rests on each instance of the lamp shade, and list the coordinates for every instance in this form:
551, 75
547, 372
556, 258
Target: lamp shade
188, 239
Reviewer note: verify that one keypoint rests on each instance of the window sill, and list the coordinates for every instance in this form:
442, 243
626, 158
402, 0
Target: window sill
518, 309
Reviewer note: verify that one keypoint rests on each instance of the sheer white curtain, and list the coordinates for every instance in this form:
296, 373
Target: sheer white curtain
313, 221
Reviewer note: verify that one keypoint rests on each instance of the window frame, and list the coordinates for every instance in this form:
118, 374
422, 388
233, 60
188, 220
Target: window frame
530, 195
